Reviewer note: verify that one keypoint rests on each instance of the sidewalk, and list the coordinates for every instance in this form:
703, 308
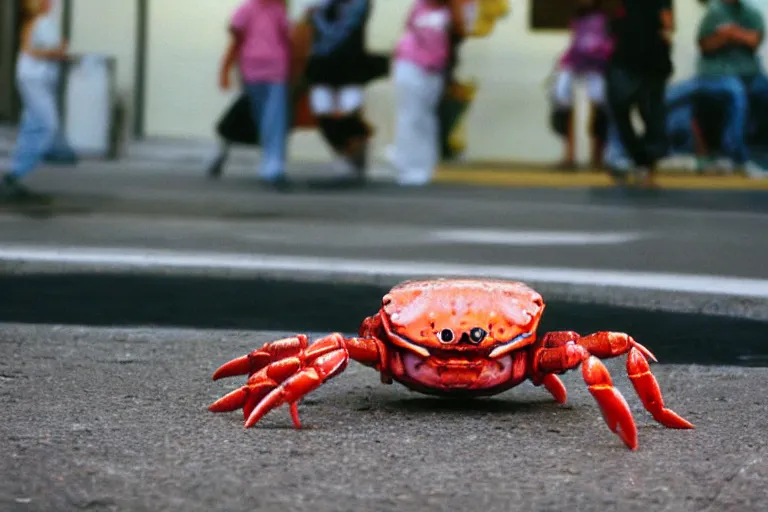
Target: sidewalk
191, 157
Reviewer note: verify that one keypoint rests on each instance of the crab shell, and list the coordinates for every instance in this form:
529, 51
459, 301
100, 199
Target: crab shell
445, 314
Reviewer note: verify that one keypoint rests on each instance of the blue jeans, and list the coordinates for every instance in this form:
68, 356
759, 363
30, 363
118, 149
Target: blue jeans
730, 91
614, 154
737, 95
39, 126
269, 109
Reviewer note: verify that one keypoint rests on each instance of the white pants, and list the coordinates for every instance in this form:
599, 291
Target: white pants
564, 87
416, 148
326, 100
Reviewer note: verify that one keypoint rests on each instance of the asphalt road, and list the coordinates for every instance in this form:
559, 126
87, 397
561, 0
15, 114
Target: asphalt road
113, 419
696, 232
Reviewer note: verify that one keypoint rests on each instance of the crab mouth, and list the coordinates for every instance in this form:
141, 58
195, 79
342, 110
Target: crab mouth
461, 373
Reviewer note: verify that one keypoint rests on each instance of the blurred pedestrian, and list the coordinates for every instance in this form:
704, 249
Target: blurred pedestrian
337, 69
729, 36
585, 60
422, 56
41, 50
260, 44
637, 76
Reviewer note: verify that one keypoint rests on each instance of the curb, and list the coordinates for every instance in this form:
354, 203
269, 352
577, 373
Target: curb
753, 307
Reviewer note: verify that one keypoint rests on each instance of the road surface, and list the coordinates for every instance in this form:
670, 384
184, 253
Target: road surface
116, 419
691, 232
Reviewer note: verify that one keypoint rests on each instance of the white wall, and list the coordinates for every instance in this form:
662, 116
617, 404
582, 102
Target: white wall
109, 27
508, 120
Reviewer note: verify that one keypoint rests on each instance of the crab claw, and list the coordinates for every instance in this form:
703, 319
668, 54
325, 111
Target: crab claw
292, 369
612, 404
259, 358
298, 385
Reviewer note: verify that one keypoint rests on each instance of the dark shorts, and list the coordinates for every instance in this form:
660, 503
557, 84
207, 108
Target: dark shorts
339, 71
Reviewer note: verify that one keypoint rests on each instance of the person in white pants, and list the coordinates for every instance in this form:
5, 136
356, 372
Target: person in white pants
421, 59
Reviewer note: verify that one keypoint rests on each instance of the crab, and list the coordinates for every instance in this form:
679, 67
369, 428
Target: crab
450, 337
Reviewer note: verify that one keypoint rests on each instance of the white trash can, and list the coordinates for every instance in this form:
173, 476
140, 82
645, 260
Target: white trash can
88, 99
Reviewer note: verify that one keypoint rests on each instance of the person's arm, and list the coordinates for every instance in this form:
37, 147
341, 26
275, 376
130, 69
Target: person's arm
667, 21
27, 46
713, 33
237, 25
750, 37
229, 59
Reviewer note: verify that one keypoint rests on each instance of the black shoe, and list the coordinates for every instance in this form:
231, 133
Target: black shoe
217, 165
13, 191
360, 163
279, 184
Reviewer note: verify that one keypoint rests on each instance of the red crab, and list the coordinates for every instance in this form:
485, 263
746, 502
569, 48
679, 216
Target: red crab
451, 336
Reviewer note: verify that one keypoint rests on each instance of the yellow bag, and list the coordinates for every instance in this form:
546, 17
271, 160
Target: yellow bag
485, 13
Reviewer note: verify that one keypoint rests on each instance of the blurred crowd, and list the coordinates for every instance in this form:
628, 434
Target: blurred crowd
313, 72
624, 60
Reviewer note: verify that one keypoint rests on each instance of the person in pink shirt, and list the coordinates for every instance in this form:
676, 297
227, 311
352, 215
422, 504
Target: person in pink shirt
585, 59
421, 59
260, 45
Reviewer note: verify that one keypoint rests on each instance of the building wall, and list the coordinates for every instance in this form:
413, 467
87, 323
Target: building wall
109, 28
507, 121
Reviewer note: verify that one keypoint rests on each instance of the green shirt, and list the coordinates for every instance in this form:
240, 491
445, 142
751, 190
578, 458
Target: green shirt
732, 59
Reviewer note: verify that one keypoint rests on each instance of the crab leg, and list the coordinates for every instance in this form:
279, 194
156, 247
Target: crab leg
562, 351
614, 408
647, 388
285, 370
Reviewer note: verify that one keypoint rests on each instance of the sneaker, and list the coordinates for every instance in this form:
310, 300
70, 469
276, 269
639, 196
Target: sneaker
13, 191
755, 171
646, 178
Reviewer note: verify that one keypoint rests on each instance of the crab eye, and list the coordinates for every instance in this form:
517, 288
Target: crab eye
446, 335
477, 335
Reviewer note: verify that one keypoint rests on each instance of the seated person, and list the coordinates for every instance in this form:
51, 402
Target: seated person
695, 117
729, 37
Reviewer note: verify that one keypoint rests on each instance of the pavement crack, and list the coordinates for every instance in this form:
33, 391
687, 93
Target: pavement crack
728, 479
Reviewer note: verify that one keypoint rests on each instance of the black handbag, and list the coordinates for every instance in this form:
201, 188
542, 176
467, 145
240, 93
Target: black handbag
236, 126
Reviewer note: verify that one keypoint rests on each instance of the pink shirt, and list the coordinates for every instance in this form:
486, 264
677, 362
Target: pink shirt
265, 52
426, 41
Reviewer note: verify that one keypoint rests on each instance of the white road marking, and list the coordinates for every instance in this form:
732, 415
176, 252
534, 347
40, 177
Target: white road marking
138, 258
530, 238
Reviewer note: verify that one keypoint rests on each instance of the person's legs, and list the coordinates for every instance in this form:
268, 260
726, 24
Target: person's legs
730, 91
563, 97
653, 112
595, 84
355, 131
40, 123
322, 102
416, 142
622, 93
325, 101
37, 131
274, 130
757, 88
